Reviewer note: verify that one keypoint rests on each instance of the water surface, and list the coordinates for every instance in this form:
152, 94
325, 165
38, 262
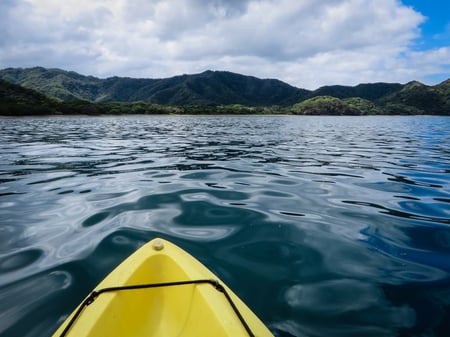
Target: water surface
325, 226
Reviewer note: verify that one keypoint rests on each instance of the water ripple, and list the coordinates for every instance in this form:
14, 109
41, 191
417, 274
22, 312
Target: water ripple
324, 226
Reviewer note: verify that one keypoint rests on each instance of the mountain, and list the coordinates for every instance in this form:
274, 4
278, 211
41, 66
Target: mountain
212, 92
418, 98
369, 91
65, 85
17, 100
207, 88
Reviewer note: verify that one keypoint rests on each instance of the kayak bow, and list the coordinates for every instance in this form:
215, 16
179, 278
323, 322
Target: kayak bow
161, 290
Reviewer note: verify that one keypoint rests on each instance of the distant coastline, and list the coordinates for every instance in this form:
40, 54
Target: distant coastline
41, 91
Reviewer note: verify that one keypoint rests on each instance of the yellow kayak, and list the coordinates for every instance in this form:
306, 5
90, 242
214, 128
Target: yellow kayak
161, 290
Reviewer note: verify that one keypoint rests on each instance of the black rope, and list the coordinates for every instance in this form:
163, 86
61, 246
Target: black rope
94, 294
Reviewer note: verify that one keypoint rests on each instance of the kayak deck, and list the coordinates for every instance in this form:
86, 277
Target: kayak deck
135, 300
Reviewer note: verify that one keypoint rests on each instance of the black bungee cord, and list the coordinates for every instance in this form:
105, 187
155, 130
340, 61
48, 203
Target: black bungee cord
94, 294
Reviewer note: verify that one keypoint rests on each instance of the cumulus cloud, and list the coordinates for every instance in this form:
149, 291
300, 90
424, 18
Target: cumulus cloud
306, 43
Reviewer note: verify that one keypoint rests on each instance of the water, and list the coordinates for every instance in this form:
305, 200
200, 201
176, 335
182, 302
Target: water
325, 226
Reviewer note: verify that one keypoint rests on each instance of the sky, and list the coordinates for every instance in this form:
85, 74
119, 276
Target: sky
306, 43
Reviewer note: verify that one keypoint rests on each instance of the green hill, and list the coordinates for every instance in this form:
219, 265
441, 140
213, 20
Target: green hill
64, 85
324, 105
208, 92
17, 100
418, 98
369, 91
207, 88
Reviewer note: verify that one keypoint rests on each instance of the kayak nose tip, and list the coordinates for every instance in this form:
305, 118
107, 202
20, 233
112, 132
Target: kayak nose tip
158, 245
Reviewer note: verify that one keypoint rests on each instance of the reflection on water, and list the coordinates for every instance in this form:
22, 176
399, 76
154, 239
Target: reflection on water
324, 226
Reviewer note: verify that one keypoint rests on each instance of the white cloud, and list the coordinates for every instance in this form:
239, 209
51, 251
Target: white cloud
307, 43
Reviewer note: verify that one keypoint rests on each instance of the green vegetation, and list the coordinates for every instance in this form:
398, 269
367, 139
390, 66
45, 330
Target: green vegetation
417, 98
324, 105
207, 88
369, 91
16, 100
39, 91
363, 106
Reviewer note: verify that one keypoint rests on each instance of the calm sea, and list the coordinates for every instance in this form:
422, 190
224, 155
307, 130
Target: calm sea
325, 226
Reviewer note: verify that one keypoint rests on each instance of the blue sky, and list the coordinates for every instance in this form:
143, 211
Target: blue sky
306, 43
435, 31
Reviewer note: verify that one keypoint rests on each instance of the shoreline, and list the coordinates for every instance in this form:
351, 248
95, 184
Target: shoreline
204, 115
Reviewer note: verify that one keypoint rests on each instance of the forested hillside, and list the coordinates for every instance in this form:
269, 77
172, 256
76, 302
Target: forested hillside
207, 88
48, 91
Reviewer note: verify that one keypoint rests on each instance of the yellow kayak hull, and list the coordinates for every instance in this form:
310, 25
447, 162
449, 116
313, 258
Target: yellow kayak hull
182, 310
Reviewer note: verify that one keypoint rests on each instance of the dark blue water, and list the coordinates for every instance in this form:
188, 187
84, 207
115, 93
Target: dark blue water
325, 226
